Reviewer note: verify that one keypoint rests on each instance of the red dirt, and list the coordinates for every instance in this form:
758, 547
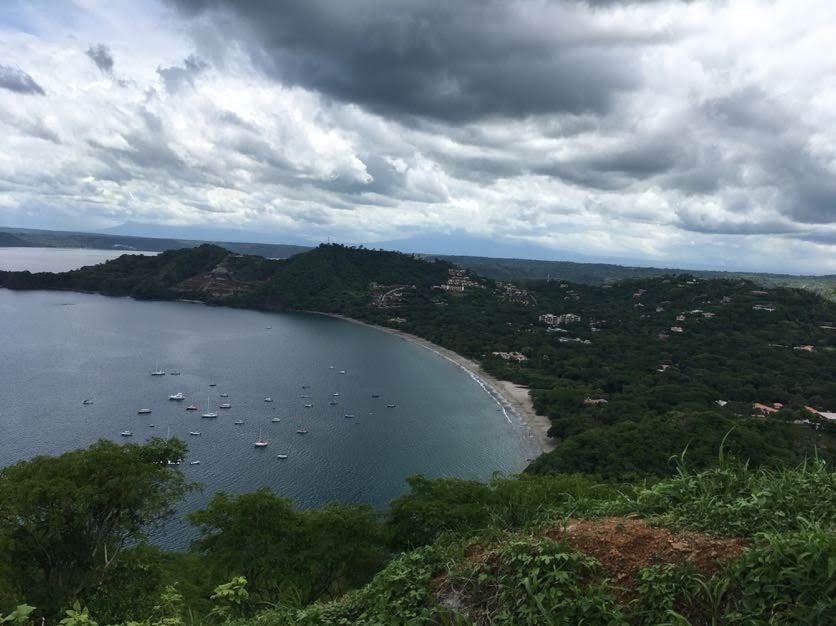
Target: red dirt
626, 545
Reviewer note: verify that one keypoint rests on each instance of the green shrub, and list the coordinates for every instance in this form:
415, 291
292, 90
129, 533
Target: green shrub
735, 500
536, 581
787, 578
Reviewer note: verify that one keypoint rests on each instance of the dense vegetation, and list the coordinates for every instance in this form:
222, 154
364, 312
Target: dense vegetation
532, 270
515, 551
650, 390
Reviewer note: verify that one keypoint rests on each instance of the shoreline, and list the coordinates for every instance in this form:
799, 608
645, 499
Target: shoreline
507, 395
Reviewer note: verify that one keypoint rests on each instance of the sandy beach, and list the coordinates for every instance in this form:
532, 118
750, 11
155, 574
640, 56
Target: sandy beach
508, 395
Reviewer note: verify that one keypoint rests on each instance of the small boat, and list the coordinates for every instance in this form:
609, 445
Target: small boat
281, 456
209, 414
213, 384
306, 386
194, 462
375, 395
333, 403
348, 416
87, 402
224, 395
238, 422
335, 394
150, 426
261, 442
191, 407
143, 412
157, 371
305, 395
194, 433
302, 431
174, 373
342, 371
224, 405
330, 367
127, 433
268, 399
276, 420
177, 397
308, 405
391, 406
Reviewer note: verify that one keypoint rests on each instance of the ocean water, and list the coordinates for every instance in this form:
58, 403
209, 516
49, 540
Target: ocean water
60, 348
55, 259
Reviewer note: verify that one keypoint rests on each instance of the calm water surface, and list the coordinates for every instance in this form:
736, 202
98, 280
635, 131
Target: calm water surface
59, 348
55, 259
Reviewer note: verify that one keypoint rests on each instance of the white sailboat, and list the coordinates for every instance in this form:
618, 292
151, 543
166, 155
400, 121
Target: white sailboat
262, 442
157, 371
209, 414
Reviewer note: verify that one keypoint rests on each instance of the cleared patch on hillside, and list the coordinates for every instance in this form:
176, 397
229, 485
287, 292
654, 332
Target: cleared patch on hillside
624, 546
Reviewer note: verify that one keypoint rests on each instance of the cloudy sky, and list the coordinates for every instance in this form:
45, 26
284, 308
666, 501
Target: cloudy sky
690, 134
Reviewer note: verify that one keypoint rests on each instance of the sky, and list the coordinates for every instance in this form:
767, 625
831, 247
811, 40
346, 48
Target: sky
672, 133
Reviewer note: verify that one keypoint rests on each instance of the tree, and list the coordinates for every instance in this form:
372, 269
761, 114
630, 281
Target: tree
66, 520
288, 555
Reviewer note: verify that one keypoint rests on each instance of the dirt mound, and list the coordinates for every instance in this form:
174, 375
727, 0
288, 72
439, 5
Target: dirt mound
625, 545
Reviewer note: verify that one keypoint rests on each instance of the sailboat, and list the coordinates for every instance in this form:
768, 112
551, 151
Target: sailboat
191, 407
302, 431
88, 402
157, 371
262, 442
209, 414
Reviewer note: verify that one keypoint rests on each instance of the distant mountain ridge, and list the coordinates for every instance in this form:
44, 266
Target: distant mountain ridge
506, 269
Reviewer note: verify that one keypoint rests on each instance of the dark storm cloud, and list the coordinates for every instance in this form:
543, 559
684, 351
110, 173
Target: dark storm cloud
15, 79
777, 145
449, 61
102, 57
178, 76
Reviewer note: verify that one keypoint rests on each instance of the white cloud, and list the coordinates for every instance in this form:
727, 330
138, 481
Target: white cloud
722, 150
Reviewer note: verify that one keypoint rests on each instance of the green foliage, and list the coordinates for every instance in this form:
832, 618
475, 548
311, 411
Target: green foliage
787, 578
535, 581
288, 555
77, 616
65, 521
662, 589
734, 500
433, 507
231, 599
20, 615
